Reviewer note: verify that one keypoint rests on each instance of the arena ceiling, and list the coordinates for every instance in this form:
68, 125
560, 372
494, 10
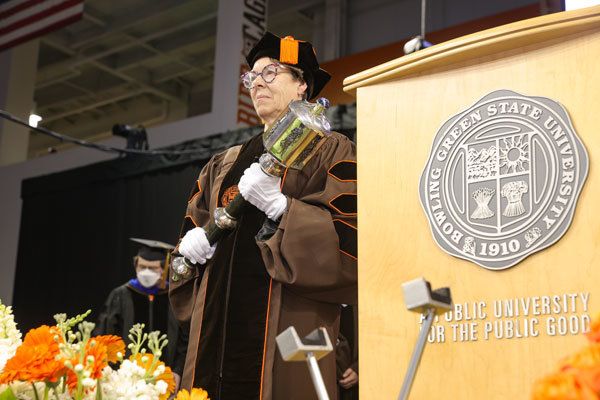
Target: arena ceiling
138, 62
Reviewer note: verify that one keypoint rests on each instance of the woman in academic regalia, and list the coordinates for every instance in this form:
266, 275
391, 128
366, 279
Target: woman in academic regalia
291, 259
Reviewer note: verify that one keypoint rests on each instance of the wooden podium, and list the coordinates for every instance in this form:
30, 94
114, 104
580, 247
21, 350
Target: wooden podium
401, 106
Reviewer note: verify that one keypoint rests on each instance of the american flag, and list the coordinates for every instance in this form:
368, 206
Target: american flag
22, 20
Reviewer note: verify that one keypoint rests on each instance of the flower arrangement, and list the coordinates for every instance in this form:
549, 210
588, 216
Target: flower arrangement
65, 362
10, 336
578, 376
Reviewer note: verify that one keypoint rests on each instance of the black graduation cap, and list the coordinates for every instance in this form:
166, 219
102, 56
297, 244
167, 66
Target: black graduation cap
152, 250
292, 52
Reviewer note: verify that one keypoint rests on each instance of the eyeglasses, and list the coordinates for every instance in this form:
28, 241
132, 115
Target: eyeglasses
268, 74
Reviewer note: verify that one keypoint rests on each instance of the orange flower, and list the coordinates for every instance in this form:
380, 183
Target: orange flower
563, 385
197, 394
100, 353
35, 360
590, 377
114, 345
166, 376
594, 333
103, 349
589, 357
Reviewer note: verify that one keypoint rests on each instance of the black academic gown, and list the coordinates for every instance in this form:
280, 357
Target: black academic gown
127, 305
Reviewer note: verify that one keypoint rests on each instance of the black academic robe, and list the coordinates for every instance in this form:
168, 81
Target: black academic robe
126, 306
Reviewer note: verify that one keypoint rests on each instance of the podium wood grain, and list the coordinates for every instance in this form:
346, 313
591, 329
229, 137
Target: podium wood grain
401, 105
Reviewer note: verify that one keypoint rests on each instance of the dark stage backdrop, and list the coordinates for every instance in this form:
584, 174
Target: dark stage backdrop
74, 247
75, 225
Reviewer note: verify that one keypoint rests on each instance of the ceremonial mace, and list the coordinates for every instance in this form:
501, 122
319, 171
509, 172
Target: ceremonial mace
293, 139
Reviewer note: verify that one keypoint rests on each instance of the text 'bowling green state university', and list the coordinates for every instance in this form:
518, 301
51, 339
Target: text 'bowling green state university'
503, 178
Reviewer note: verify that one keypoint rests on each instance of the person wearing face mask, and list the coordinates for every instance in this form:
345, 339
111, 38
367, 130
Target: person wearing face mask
291, 260
144, 299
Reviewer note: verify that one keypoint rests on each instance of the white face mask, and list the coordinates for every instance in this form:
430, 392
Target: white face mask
148, 278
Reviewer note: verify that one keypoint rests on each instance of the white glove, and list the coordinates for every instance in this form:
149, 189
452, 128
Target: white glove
263, 191
195, 247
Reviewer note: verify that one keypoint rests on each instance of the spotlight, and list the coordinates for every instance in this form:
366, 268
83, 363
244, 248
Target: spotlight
575, 4
34, 119
137, 138
415, 44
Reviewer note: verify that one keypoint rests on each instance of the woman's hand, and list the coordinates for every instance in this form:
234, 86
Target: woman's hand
263, 191
195, 247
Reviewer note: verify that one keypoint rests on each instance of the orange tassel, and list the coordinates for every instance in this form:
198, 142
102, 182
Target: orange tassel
288, 50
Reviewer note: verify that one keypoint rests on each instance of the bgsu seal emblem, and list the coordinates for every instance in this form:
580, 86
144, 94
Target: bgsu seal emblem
502, 179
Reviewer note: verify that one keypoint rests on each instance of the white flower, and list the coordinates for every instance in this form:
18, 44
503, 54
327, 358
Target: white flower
161, 386
10, 336
23, 390
88, 382
129, 382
